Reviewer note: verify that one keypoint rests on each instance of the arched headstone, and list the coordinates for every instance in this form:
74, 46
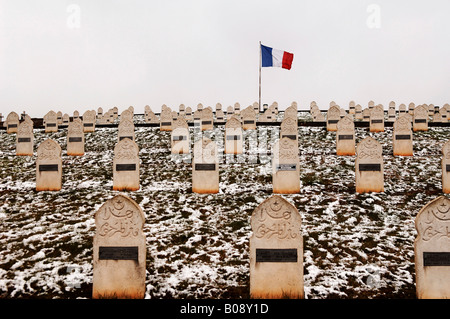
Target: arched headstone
220, 116
369, 173
25, 139
89, 119
12, 122
286, 167
366, 115
51, 122
358, 112
291, 111
166, 119
432, 250
207, 119
126, 130
289, 128
420, 119
402, 137
351, 107
205, 167
75, 138
445, 166
345, 136
48, 166
333, 116
248, 119
377, 119
180, 139
119, 250
233, 136
276, 251
126, 166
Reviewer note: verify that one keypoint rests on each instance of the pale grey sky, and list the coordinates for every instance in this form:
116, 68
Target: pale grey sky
81, 55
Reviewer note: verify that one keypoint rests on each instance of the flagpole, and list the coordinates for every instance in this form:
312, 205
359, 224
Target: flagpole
259, 76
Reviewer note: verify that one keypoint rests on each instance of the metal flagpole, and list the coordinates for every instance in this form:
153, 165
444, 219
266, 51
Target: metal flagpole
260, 53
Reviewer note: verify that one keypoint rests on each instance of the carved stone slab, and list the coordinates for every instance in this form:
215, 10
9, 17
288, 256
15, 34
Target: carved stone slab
432, 250
165, 119
75, 138
420, 119
180, 138
248, 118
345, 136
89, 120
276, 250
25, 139
369, 173
119, 249
12, 122
50, 122
204, 179
333, 116
233, 136
207, 119
289, 127
377, 119
286, 180
126, 129
445, 162
402, 137
126, 165
48, 166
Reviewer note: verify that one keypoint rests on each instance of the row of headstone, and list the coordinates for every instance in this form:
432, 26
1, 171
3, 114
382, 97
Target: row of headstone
276, 250
373, 114
205, 178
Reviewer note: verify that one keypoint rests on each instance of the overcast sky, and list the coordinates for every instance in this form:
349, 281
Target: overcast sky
80, 55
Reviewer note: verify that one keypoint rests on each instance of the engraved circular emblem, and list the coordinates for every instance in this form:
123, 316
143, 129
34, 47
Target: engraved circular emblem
118, 203
276, 206
442, 211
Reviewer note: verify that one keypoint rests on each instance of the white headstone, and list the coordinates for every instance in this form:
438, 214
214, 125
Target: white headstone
369, 166
51, 122
333, 116
289, 128
276, 251
286, 167
420, 119
126, 166
445, 166
432, 250
25, 139
402, 137
48, 166
233, 136
345, 136
180, 137
119, 250
248, 118
126, 130
377, 119
89, 120
205, 167
75, 138
12, 122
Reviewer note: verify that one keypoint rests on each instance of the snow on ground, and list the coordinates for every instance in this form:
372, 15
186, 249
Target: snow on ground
355, 245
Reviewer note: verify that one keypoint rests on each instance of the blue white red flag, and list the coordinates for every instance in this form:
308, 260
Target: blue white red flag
276, 58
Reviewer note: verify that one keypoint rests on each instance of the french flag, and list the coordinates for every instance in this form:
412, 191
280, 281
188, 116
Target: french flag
276, 58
